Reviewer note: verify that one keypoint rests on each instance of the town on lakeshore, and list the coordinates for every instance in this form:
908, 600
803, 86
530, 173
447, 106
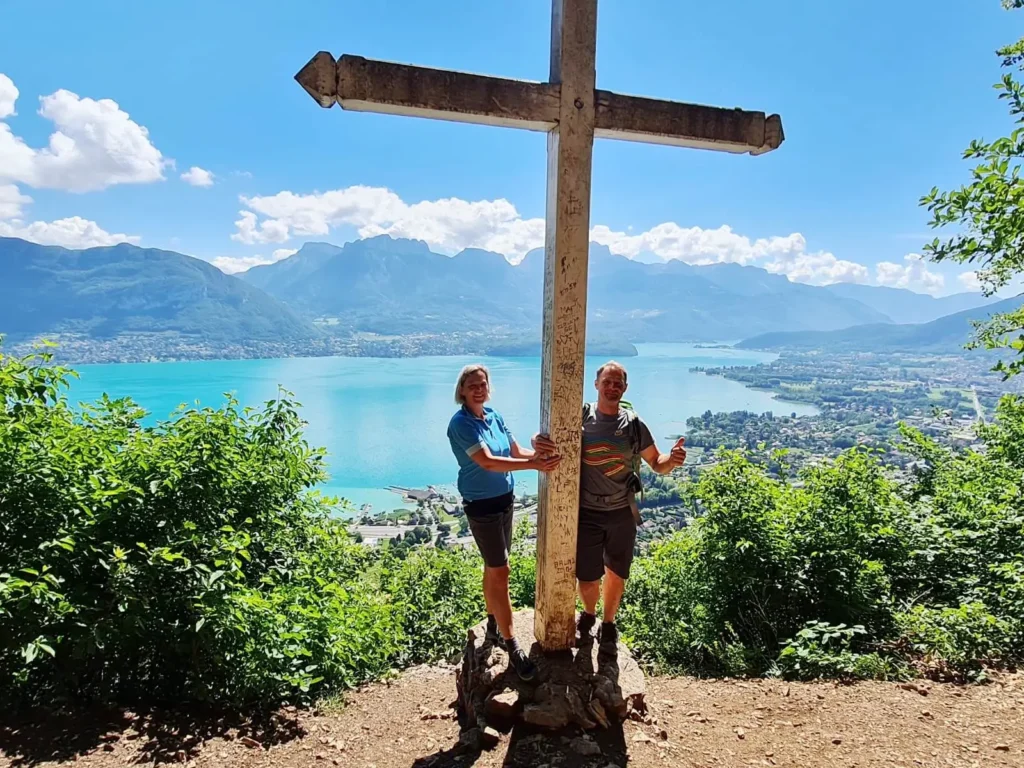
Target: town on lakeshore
862, 398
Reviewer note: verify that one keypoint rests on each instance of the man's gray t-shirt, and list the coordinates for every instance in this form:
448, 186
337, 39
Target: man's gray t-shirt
607, 458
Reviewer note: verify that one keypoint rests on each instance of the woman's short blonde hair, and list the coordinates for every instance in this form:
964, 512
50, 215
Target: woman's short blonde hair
467, 371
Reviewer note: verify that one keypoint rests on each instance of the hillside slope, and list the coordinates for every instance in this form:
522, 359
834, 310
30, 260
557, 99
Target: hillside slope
903, 306
124, 289
947, 334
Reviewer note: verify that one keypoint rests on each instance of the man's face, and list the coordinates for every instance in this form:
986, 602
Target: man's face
475, 388
611, 385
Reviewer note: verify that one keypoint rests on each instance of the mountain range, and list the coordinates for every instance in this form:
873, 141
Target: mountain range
400, 286
384, 288
946, 335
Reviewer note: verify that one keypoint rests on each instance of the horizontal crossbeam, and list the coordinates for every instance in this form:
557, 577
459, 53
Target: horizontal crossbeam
367, 85
653, 121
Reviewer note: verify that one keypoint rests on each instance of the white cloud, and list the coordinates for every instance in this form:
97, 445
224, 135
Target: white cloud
198, 177
781, 255
914, 275
232, 265
11, 201
449, 225
970, 281
820, 268
8, 96
268, 231
73, 232
96, 145
695, 245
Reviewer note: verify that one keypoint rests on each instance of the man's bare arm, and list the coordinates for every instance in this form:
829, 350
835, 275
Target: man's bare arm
663, 463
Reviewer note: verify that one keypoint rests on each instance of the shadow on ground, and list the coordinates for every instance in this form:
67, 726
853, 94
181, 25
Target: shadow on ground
527, 747
165, 736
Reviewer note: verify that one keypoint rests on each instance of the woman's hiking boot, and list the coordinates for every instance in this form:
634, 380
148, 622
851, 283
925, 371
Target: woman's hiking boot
491, 634
521, 663
518, 660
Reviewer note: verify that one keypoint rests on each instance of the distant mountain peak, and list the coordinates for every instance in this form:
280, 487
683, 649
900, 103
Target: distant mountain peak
390, 244
479, 253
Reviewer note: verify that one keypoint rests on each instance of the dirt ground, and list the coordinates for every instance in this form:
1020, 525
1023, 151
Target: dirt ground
409, 723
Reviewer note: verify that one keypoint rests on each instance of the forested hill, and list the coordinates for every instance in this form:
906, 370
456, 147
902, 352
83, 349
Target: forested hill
123, 289
947, 334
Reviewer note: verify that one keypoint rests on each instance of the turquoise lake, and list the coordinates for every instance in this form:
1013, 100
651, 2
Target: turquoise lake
383, 421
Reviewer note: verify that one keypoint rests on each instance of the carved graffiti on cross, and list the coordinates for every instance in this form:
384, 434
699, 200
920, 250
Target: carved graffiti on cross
572, 112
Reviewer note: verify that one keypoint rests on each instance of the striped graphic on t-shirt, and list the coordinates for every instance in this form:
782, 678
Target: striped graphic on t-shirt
607, 455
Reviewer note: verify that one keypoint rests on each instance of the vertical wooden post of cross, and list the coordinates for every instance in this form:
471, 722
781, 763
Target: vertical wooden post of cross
570, 146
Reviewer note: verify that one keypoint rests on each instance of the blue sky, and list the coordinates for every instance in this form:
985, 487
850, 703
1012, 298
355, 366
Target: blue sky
878, 100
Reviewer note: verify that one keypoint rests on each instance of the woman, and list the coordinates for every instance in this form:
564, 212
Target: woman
487, 454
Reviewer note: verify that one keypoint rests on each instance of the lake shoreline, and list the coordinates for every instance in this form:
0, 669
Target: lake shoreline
383, 421
117, 351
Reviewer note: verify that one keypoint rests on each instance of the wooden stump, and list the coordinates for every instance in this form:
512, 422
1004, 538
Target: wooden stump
589, 687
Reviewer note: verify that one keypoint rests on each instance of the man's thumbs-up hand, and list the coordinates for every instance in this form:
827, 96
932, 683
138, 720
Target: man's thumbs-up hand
678, 453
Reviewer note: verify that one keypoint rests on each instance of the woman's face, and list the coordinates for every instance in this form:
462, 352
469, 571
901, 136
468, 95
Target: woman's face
476, 389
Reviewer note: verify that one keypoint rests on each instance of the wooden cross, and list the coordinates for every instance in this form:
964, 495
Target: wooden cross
572, 112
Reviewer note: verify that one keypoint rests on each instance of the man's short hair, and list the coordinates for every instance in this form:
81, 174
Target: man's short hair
613, 365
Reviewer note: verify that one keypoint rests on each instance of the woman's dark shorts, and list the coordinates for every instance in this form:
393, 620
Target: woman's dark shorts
490, 521
605, 539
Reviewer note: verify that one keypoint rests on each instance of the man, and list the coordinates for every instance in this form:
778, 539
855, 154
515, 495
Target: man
613, 439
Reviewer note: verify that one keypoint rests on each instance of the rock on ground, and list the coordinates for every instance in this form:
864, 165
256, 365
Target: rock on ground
587, 687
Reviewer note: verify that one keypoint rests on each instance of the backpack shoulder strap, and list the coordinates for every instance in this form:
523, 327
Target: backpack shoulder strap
633, 425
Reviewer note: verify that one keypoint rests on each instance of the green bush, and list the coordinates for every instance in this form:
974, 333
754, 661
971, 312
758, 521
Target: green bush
930, 574
191, 560
766, 558
522, 566
824, 650
664, 610
438, 595
957, 643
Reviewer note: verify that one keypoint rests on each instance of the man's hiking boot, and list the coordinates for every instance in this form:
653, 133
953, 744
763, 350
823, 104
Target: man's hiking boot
609, 634
521, 663
585, 628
